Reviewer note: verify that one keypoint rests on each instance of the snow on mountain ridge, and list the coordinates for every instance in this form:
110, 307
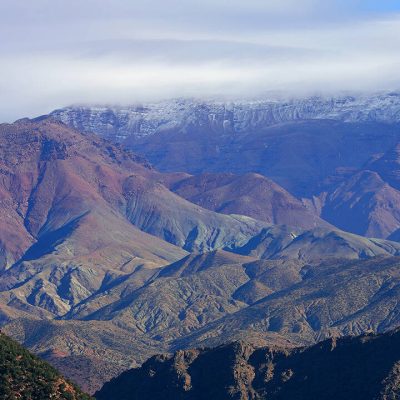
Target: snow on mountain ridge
118, 123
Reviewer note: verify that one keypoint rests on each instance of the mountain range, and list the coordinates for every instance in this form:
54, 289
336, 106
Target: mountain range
318, 149
276, 223
234, 116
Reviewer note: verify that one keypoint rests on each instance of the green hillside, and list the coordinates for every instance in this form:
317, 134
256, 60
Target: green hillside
24, 376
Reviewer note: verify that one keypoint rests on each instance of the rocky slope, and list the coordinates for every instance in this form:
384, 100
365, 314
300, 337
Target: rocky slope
209, 299
25, 376
364, 368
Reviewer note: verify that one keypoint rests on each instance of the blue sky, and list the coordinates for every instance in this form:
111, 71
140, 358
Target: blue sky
58, 52
380, 6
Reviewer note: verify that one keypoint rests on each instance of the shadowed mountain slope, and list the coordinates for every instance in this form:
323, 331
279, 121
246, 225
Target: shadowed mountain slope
364, 204
299, 156
358, 368
388, 166
297, 143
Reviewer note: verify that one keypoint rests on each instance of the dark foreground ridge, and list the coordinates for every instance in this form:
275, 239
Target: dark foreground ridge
364, 367
24, 376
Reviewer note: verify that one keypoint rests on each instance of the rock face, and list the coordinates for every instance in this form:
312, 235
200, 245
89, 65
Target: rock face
25, 376
359, 368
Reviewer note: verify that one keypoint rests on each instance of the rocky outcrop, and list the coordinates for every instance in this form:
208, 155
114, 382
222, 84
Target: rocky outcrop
358, 368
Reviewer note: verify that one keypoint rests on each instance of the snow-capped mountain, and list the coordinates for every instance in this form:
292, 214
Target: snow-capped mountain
118, 123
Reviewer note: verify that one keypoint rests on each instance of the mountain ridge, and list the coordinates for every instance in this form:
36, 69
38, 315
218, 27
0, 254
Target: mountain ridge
238, 116
365, 367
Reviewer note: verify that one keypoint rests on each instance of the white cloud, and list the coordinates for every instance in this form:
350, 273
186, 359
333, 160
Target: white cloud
59, 52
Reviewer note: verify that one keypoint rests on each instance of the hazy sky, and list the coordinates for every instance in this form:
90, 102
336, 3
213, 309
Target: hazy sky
58, 52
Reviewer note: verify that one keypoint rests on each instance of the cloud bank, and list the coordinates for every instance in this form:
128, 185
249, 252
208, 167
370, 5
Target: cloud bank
58, 52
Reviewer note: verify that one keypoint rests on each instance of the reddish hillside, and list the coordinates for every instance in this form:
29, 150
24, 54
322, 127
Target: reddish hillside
75, 211
60, 189
364, 204
250, 194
